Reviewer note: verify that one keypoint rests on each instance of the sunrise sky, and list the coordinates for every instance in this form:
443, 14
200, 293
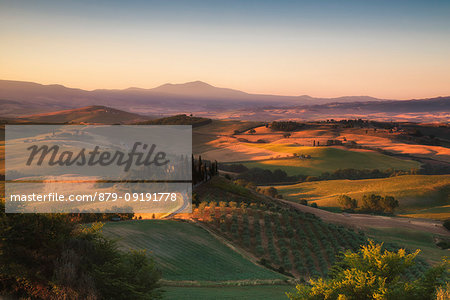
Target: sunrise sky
385, 49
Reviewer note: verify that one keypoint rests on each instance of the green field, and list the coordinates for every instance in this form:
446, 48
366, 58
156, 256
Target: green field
412, 240
185, 251
414, 192
438, 212
236, 292
328, 159
225, 127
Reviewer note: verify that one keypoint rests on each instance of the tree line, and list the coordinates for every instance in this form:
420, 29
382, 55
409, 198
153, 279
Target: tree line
203, 170
370, 203
286, 125
264, 176
182, 119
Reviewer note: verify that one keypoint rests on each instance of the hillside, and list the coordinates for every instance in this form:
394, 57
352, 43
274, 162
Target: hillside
414, 192
327, 159
178, 120
233, 141
281, 238
21, 98
293, 238
205, 137
91, 114
439, 104
273, 292
186, 252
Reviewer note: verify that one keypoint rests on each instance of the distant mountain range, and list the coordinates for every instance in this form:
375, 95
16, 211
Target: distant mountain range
19, 98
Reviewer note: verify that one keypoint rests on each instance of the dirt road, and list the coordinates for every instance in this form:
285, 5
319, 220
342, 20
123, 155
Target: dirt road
371, 221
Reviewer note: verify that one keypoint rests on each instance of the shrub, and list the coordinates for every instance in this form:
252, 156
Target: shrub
270, 191
232, 204
376, 203
223, 224
47, 256
347, 203
372, 273
443, 292
446, 224
285, 125
260, 250
287, 263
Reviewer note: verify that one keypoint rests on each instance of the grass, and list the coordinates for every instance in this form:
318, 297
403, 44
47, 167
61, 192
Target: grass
287, 148
438, 213
200, 143
236, 292
328, 159
414, 192
412, 240
221, 189
225, 127
185, 251
203, 135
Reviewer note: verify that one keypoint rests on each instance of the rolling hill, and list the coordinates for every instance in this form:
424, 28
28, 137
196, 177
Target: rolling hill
414, 192
186, 252
178, 120
327, 159
91, 114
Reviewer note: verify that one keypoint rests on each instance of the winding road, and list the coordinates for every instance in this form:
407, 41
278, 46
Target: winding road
372, 221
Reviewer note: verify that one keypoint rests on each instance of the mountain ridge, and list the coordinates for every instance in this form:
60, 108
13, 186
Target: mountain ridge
19, 98
171, 88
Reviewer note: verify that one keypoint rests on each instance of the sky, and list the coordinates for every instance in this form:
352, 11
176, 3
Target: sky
385, 49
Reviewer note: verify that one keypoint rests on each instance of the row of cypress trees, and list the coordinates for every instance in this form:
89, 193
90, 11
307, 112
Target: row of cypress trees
203, 170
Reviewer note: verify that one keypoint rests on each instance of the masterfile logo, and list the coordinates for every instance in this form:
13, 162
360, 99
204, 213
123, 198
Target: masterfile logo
98, 168
97, 157
106, 152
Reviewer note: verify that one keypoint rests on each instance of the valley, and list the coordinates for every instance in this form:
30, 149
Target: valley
242, 240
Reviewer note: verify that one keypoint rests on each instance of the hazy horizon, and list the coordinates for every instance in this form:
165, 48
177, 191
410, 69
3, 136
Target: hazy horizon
383, 49
209, 84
